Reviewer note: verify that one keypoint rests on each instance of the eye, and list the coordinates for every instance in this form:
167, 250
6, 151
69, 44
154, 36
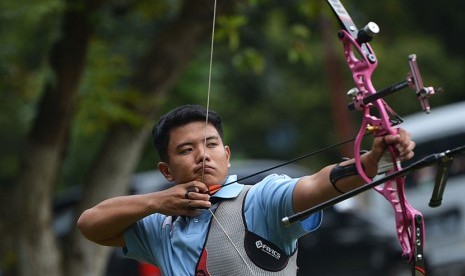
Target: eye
185, 151
212, 144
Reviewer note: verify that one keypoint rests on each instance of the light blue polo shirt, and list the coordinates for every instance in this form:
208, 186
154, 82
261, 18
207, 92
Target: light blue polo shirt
175, 247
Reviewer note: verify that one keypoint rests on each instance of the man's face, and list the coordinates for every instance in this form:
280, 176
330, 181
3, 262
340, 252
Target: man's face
187, 150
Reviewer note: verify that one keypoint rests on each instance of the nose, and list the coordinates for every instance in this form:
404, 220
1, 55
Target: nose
202, 155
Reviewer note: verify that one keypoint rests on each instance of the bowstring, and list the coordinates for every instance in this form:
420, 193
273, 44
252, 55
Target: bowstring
205, 136
209, 90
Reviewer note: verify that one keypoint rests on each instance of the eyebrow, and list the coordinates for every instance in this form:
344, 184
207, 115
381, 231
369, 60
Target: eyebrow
213, 137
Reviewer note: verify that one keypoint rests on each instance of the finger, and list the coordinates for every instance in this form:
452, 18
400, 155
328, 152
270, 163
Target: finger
198, 204
404, 137
391, 139
406, 156
199, 186
189, 190
407, 152
198, 196
404, 133
406, 146
411, 145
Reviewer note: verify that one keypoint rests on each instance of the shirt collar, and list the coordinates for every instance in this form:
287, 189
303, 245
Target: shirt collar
230, 190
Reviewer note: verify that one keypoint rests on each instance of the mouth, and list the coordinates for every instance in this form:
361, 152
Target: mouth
204, 170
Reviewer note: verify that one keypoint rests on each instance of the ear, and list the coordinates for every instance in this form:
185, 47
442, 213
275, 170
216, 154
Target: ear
164, 168
227, 151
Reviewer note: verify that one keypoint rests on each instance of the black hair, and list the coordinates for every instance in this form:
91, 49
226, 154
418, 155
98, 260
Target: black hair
178, 117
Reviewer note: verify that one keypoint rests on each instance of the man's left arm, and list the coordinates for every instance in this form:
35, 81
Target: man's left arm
317, 188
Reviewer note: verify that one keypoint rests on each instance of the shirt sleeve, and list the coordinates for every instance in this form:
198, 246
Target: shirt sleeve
267, 203
138, 244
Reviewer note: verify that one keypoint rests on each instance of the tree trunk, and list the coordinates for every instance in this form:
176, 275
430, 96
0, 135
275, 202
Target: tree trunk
108, 178
37, 249
154, 78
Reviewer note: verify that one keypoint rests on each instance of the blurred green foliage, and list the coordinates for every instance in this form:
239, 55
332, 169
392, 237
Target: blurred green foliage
268, 79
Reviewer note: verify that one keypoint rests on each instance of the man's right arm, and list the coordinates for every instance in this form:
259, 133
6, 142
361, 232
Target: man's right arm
106, 222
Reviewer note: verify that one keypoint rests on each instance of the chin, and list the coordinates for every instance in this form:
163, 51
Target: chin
211, 180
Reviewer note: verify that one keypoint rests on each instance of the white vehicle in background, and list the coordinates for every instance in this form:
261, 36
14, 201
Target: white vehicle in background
441, 130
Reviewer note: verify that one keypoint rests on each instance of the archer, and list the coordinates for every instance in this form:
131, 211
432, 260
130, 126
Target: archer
207, 224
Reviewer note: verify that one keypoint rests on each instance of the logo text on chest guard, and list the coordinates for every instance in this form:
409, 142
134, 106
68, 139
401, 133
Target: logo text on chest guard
268, 250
